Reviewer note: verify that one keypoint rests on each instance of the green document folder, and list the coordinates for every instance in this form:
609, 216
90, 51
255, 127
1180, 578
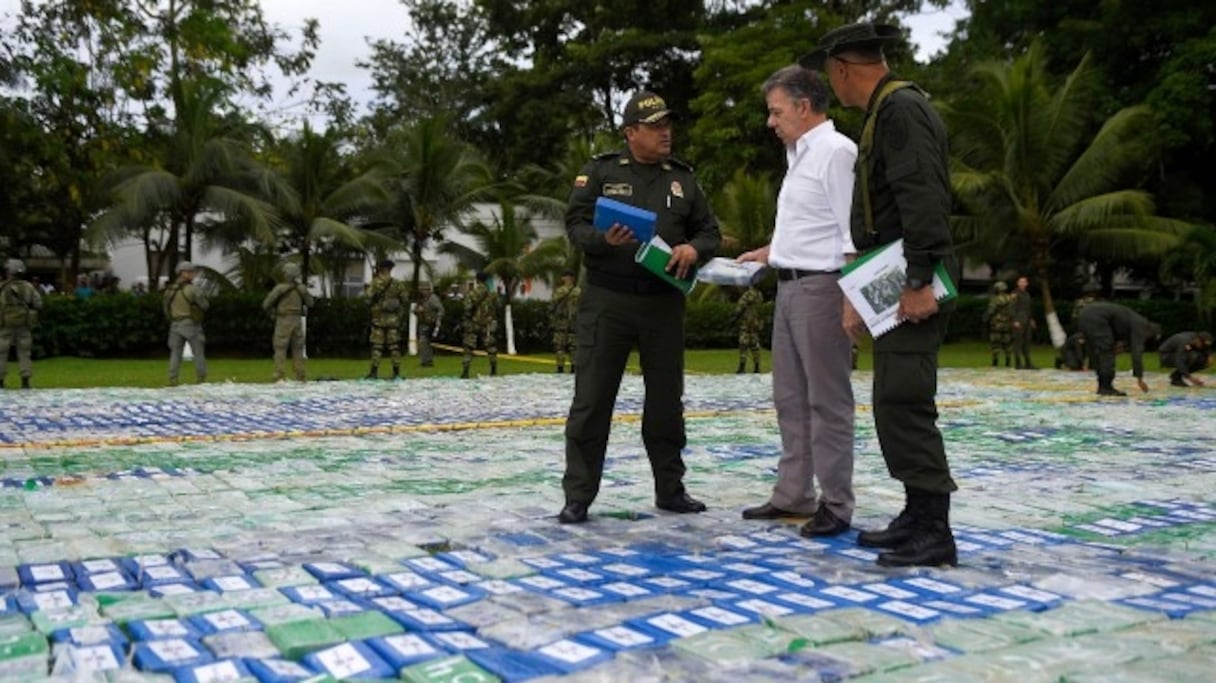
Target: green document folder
654, 255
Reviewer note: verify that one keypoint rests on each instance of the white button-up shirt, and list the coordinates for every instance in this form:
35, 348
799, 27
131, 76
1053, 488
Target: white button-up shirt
812, 230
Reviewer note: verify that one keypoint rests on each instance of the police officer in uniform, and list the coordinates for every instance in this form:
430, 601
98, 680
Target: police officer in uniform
429, 311
624, 305
1106, 324
1184, 354
19, 306
562, 311
184, 305
386, 300
286, 303
902, 190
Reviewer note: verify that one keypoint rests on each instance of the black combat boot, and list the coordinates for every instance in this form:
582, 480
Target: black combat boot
994, 360
561, 369
1106, 387
900, 530
25, 382
931, 543
756, 367
1006, 360
464, 370
493, 368
742, 366
396, 372
1, 384
572, 368
373, 372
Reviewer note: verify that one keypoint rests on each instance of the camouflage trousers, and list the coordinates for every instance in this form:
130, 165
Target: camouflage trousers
563, 344
487, 335
1000, 341
24, 340
749, 342
288, 333
385, 338
181, 332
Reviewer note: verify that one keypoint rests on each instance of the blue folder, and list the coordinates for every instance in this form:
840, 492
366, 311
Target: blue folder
609, 212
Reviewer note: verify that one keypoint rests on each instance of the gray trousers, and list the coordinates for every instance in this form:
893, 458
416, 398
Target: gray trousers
180, 332
24, 340
812, 358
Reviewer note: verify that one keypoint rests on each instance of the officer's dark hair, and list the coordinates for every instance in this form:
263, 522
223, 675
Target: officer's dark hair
800, 83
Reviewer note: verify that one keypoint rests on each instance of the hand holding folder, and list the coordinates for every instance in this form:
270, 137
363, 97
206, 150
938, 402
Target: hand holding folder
655, 255
610, 212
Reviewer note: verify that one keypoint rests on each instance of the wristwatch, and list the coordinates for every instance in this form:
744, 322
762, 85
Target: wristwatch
915, 283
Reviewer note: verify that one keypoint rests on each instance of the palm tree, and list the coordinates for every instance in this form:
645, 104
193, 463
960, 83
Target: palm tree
747, 209
1195, 261
432, 182
508, 249
1027, 174
203, 166
317, 198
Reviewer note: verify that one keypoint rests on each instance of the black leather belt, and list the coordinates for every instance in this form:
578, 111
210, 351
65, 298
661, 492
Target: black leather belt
787, 274
628, 285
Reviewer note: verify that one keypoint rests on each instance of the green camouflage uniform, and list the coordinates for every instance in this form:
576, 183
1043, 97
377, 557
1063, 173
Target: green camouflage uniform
1000, 326
562, 312
285, 304
19, 305
747, 312
429, 310
480, 320
184, 305
387, 300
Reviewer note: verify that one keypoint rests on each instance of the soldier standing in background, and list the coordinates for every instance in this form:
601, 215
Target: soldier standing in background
19, 306
1000, 322
562, 312
286, 303
480, 320
1023, 325
184, 305
387, 300
747, 313
429, 311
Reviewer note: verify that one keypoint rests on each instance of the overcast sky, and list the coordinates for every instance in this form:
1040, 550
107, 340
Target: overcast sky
347, 24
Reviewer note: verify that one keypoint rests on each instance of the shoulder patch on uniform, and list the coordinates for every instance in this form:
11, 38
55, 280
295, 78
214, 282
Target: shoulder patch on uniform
680, 164
580, 181
607, 155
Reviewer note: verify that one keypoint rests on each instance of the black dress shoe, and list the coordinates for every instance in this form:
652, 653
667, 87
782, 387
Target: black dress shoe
767, 511
824, 523
681, 503
573, 513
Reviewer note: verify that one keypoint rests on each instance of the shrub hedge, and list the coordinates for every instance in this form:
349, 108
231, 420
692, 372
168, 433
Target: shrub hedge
124, 325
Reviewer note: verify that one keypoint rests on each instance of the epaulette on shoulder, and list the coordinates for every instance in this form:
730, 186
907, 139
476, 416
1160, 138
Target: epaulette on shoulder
602, 156
680, 164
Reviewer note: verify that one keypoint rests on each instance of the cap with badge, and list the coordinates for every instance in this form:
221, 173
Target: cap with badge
645, 107
863, 36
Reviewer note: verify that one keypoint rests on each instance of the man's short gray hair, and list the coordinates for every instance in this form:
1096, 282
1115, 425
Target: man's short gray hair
800, 83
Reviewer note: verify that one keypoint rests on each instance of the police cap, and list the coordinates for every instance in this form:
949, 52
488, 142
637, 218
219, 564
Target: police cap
645, 107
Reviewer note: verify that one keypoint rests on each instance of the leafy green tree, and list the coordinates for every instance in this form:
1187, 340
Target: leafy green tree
199, 180
747, 212
1194, 262
1027, 171
432, 181
318, 196
509, 250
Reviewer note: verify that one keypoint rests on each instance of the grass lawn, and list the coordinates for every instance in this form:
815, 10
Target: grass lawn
63, 372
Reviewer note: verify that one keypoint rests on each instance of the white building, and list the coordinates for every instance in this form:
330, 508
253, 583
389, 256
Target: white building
128, 261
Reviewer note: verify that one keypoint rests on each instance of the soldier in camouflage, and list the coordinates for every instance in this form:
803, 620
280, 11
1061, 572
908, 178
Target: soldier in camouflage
387, 299
747, 313
19, 306
1000, 323
480, 320
429, 311
184, 304
285, 304
562, 312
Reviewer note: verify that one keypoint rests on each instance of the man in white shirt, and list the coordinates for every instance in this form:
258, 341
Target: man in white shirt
811, 352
